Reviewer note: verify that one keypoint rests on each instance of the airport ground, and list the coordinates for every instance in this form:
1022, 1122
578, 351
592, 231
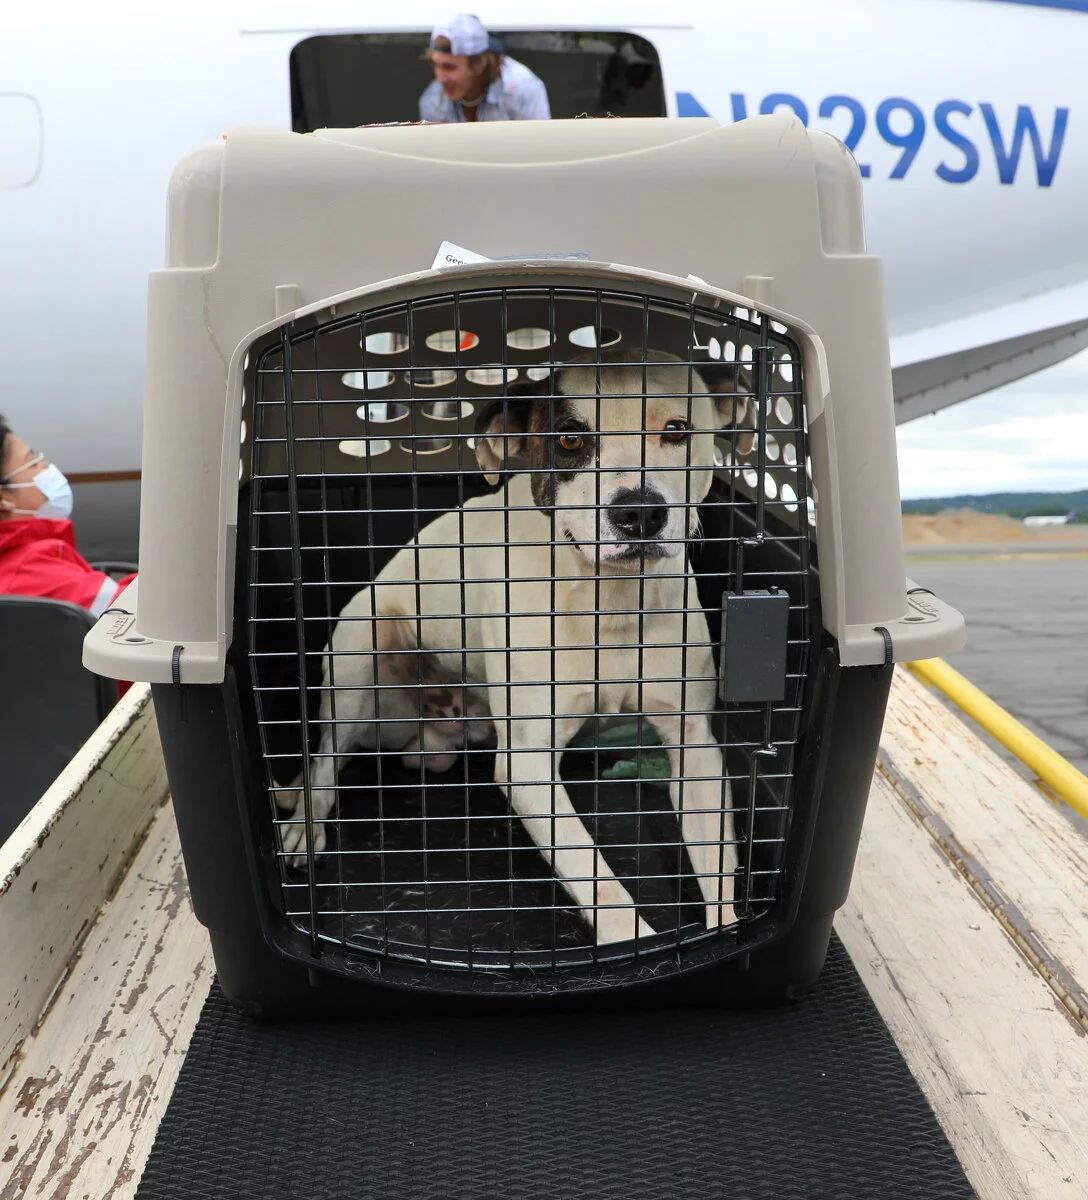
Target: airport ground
1026, 608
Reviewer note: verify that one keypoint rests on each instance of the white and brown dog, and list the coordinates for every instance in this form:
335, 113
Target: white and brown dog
566, 594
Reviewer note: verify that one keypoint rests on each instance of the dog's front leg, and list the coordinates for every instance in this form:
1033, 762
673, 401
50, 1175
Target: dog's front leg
324, 767
348, 724
700, 796
531, 767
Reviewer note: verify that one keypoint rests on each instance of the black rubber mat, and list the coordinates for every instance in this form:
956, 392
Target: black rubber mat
810, 1101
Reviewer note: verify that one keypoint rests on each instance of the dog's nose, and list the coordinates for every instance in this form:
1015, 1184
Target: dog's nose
638, 513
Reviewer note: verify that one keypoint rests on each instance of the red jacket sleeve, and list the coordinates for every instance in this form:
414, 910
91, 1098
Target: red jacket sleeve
54, 571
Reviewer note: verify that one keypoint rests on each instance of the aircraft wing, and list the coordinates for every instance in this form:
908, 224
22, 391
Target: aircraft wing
936, 367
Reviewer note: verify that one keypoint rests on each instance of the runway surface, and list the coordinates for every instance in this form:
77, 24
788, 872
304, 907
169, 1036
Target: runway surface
1070, 544
1027, 634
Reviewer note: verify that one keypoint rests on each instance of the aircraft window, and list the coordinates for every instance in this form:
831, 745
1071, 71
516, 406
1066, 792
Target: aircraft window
343, 80
20, 140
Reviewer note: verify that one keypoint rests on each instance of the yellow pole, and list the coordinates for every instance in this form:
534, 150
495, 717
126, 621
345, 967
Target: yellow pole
1048, 764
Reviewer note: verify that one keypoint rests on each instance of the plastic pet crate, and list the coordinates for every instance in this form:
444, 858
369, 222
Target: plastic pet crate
520, 623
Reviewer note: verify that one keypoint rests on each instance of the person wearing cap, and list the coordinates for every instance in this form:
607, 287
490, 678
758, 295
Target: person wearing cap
475, 81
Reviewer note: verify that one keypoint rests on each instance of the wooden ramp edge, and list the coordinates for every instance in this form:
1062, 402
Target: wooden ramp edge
973, 1005
968, 922
103, 969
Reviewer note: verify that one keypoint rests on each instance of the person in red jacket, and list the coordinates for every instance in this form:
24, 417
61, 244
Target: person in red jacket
38, 555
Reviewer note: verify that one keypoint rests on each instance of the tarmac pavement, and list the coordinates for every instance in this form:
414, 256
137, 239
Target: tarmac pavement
1027, 636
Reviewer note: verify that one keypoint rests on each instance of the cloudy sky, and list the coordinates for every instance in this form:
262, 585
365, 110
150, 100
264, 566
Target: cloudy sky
1029, 436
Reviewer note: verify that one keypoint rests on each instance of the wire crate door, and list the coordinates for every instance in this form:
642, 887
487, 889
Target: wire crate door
492, 537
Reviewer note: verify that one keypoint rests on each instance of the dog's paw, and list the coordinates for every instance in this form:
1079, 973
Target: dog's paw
618, 924
293, 841
437, 763
288, 799
720, 916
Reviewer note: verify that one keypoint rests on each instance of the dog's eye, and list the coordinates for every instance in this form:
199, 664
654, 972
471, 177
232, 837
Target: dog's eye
676, 431
571, 442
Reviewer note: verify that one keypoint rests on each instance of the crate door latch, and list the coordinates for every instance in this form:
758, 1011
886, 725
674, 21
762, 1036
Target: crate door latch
754, 635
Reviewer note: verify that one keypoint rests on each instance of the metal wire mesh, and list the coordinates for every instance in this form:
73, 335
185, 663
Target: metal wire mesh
488, 538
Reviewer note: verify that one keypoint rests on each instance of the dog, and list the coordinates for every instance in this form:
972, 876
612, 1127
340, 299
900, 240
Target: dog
534, 597
444, 713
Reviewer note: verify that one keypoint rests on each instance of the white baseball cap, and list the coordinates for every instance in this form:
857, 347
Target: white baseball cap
465, 34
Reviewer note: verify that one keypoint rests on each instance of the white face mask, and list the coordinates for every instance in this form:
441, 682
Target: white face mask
54, 487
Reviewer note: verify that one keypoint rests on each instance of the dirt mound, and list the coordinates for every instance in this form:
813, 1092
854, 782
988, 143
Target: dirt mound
967, 525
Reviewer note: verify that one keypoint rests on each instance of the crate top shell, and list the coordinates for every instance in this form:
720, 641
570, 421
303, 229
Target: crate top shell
265, 226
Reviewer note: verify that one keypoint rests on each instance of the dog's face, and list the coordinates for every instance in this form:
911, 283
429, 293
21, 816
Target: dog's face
621, 466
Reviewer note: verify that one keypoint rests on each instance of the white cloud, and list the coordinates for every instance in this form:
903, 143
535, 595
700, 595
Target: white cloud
1029, 436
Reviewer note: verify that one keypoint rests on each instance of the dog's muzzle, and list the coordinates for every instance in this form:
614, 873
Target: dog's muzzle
638, 513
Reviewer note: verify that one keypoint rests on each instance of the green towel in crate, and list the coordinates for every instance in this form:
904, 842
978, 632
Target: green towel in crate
626, 750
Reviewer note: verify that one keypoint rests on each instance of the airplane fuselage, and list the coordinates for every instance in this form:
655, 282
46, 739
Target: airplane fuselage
964, 115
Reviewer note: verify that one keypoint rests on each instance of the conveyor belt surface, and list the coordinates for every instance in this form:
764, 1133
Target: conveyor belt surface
809, 1101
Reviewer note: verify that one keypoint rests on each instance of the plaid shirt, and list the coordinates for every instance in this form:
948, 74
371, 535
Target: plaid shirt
517, 96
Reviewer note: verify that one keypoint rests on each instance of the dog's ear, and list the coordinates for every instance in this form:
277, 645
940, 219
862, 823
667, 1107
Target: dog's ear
730, 384
502, 426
